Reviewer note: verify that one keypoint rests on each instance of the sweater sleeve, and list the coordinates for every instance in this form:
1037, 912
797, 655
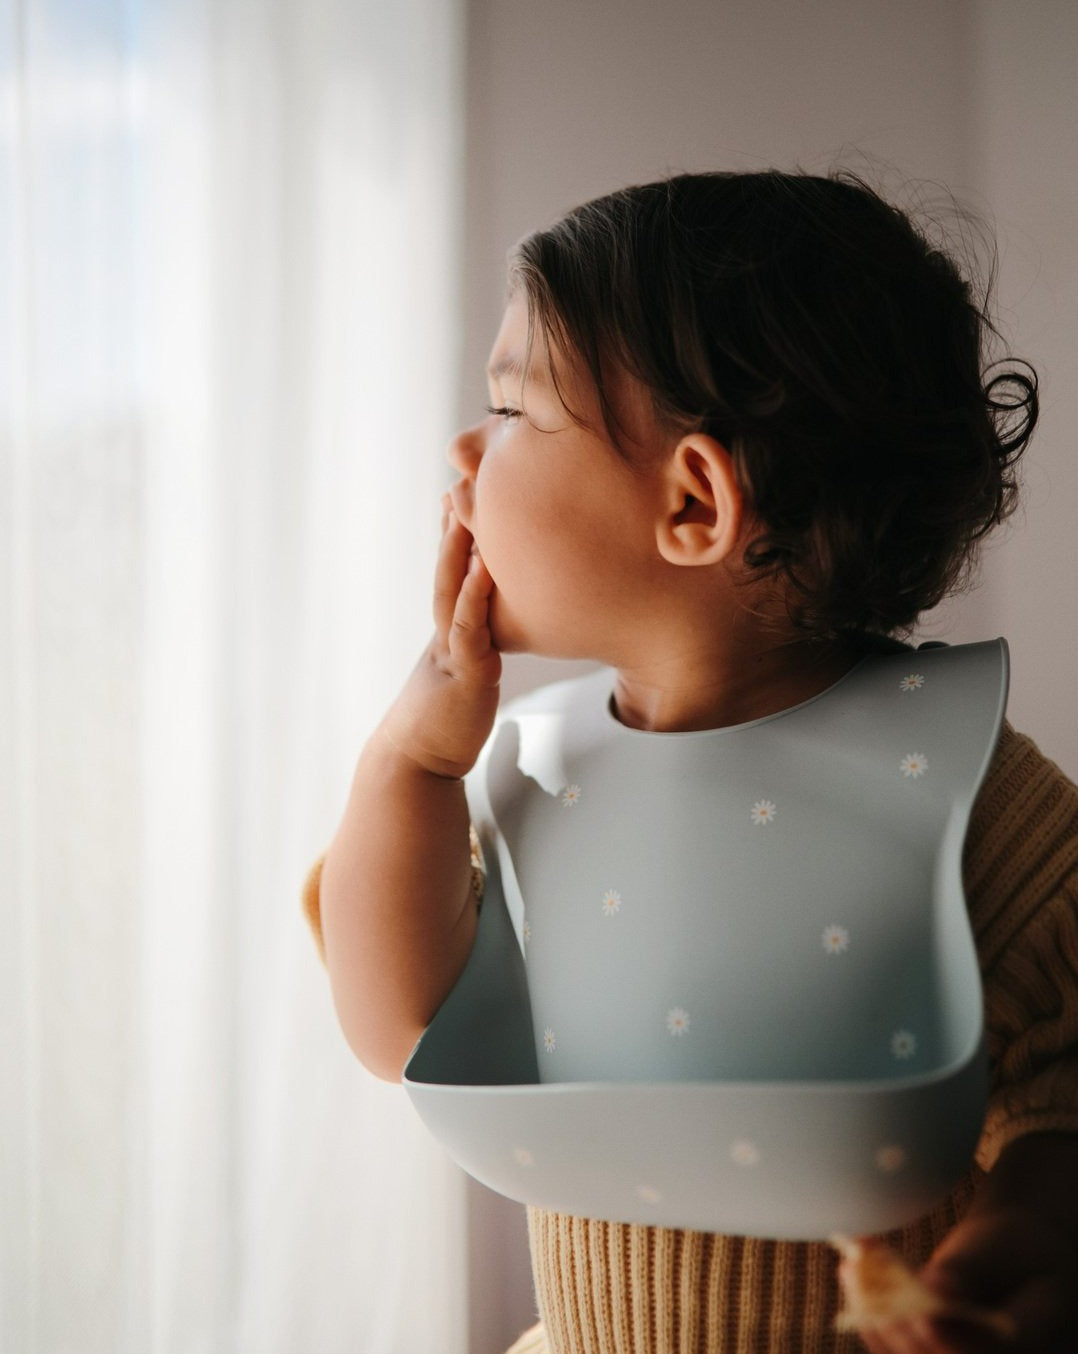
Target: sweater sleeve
1033, 1030
1022, 881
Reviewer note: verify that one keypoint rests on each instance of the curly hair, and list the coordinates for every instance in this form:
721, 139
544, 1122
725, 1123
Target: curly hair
839, 356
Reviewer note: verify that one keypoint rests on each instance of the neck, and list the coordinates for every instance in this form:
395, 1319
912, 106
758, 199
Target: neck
708, 688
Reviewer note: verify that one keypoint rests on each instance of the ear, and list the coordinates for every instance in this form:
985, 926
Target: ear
703, 507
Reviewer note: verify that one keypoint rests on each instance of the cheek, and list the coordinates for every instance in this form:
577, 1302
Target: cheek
516, 507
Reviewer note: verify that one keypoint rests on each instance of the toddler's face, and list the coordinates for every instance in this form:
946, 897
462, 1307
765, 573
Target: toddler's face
564, 524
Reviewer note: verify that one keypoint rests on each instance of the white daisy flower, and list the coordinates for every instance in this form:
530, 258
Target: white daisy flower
836, 939
611, 903
744, 1153
648, 1193
763, 812
890, 1159
903, 1044
912, 682
914, 764
523, 1156
570, 796
527, 931
677, 1022
550, 1041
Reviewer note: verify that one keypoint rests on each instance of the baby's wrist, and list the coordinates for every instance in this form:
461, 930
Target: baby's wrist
407, 742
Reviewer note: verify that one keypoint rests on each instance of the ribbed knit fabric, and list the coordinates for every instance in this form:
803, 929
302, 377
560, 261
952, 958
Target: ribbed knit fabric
610, 1288
606, 1288
533, 1341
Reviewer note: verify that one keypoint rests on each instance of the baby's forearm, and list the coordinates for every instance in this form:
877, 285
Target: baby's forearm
398, 913
398, 916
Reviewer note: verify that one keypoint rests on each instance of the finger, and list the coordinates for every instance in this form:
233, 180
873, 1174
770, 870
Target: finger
914, 1336
449, 573
930, 1335
897, 1337
469, 635
877, 1343
960, 1337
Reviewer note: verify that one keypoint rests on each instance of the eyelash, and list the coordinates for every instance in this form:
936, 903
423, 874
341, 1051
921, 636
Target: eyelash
504, 411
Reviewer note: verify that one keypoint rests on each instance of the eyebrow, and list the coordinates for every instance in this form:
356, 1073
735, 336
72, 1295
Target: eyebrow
513, 365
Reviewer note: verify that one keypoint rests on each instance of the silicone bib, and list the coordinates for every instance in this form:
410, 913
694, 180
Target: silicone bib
725, 980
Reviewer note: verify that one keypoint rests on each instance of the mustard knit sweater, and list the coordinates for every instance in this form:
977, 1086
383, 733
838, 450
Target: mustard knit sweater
608, 1288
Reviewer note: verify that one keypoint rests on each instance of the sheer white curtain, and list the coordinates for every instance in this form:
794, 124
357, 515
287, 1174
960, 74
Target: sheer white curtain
226, 319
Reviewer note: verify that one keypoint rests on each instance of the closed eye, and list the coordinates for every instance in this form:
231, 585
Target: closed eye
505, 411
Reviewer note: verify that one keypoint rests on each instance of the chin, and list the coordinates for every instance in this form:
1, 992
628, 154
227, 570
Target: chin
507, 640
508, 635
502, 631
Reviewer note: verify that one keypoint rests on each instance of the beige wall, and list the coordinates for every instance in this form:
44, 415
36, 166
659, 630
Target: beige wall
571, 98
1024, 159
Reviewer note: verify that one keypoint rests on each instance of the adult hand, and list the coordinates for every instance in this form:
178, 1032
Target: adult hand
1013, 1265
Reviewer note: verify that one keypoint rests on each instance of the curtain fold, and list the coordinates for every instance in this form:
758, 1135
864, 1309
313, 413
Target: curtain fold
228, 245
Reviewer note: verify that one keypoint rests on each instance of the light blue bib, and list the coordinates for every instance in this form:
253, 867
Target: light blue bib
725, 979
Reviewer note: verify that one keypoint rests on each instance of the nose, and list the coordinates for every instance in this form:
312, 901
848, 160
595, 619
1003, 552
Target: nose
466, 450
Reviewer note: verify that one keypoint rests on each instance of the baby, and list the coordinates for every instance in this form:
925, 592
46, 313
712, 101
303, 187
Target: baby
742, 433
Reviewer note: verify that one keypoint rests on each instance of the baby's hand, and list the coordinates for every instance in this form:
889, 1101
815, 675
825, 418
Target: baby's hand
446, 711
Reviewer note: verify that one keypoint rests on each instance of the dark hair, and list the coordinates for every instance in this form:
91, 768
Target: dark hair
838, 354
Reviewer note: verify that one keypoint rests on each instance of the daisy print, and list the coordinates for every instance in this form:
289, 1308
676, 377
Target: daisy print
914, 764
903, 1044
745, 1153
912, 682
550, 1040
611, 903
570, 796
890, 1159
836, 939
677, 1022
763, 812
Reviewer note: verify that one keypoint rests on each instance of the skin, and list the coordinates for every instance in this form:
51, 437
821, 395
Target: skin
1015, 1252
555, 543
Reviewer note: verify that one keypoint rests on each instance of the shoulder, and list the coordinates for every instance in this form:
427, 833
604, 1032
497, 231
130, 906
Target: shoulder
1025, 796
1022, 845
1022, 884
